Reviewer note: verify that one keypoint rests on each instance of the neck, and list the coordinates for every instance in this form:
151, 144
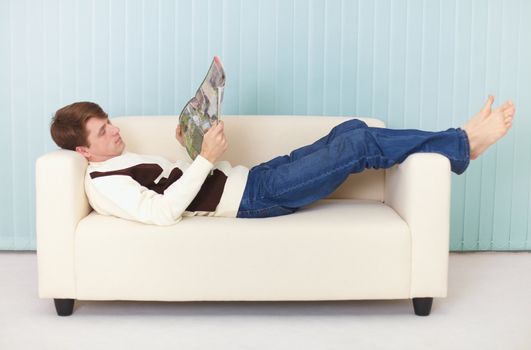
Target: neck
99, 159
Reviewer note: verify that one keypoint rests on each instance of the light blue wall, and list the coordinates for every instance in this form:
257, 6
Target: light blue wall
414, 64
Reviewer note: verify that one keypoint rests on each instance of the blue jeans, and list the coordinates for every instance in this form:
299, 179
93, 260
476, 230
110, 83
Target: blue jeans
287, 183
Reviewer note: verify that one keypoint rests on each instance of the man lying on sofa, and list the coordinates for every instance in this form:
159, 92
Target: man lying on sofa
152, 190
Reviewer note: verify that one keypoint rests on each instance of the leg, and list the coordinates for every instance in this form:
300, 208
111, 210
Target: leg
337, 130
299, 182
422, 306
64, 307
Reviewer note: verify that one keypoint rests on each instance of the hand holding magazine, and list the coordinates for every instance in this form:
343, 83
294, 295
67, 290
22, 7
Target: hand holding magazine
204, 109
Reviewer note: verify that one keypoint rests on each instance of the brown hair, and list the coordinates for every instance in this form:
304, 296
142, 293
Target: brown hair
68, 127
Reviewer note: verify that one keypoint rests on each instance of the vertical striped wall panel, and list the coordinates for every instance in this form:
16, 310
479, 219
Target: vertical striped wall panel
425, 64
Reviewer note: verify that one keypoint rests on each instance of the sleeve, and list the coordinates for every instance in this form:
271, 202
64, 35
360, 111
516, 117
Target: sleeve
122, 196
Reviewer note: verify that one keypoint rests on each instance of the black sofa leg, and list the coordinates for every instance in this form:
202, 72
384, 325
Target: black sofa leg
64, 307
422, 306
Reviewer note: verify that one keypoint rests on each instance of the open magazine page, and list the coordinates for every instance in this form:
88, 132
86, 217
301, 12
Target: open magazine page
204, 109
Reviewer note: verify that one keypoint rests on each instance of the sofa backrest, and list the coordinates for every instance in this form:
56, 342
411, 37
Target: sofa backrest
252, 139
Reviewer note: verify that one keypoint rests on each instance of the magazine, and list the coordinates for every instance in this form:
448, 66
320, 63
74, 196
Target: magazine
204, 109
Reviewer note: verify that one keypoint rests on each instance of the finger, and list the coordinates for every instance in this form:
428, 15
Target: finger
212, 129
219, 127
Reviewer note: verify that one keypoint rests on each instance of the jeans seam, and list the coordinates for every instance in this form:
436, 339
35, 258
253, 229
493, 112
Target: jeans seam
467, 143
465, 140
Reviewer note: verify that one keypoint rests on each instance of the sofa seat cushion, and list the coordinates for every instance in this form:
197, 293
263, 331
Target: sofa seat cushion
331, 250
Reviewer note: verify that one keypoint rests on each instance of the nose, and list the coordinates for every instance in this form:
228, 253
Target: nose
116, 129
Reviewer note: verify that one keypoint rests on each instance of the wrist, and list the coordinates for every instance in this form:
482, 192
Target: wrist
207, 157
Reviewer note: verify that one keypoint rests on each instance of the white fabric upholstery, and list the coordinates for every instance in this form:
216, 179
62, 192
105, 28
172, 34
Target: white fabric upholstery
60, 204
419, 191
290, 257
382, 235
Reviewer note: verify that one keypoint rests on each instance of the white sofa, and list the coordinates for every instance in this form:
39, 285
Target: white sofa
383, 234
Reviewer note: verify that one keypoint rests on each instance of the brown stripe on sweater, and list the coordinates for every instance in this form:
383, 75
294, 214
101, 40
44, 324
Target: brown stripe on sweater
164, 183
207, 199
145, 174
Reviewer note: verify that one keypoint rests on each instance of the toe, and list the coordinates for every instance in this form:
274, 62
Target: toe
488, 104
503, 107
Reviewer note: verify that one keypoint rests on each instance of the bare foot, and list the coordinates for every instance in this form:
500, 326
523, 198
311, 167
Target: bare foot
481, 115
488, 126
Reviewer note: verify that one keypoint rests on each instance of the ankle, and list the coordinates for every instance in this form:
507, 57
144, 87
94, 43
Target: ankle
471, 141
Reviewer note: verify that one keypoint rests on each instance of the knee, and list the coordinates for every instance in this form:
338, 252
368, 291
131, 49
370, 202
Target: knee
348, 126
357, 123
351, 124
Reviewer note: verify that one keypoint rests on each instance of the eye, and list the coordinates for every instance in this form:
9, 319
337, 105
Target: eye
103, 132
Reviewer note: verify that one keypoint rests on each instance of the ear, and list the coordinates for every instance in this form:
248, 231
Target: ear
83, 151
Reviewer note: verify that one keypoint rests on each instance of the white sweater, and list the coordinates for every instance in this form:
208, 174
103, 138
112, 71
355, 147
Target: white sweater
152, 190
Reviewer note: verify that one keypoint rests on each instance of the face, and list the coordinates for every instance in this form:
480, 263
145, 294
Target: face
104, 139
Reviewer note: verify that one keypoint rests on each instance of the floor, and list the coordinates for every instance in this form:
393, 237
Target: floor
488, 307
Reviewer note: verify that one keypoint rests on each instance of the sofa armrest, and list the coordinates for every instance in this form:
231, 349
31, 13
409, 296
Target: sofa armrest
60, 204
419, 190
